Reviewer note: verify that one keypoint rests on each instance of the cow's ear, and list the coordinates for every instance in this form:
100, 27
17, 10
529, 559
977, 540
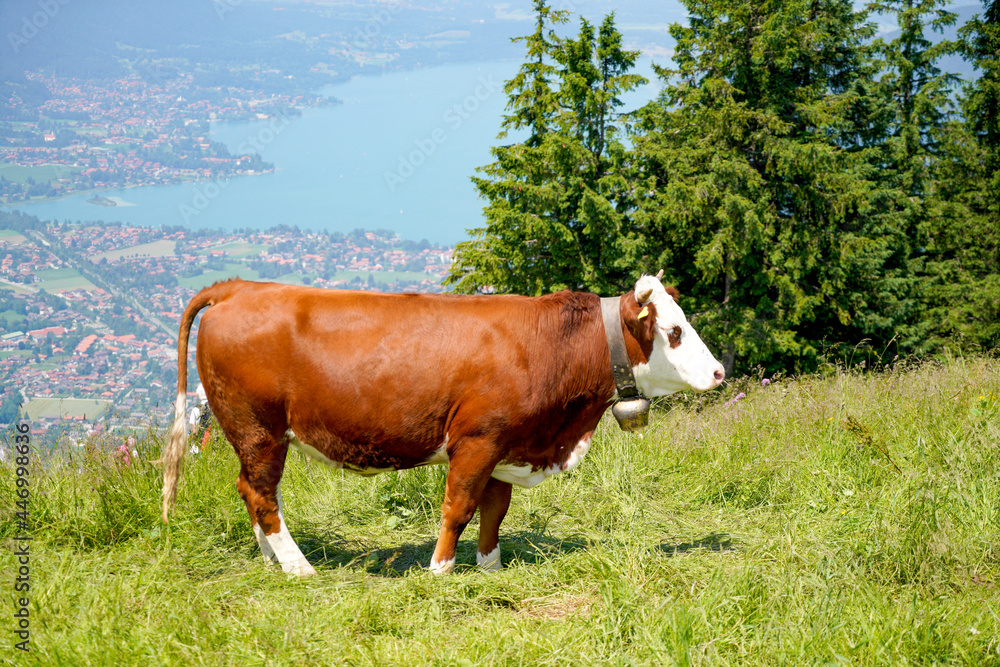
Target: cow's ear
644, 288
640, 320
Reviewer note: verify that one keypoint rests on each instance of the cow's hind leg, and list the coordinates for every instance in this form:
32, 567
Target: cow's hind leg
260, 487
492, 509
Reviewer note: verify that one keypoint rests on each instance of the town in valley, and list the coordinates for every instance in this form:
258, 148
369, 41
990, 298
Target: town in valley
89, 312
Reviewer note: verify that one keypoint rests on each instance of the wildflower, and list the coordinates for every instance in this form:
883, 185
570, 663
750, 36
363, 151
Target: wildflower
735, 398
125, 455
973, 631
765, 382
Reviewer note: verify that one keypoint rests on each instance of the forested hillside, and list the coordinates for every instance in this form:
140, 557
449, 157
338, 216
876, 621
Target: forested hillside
813, 191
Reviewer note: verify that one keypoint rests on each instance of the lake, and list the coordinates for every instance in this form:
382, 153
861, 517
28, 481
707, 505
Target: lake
397, 154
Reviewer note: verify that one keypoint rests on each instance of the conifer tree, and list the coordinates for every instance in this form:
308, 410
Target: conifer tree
757, 187
919, 89
963, 284
980, 43
557, 204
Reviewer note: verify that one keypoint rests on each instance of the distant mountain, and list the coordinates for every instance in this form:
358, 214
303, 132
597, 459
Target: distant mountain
304, 43
96, 39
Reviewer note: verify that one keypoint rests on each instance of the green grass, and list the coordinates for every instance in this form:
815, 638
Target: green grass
209, 277
236, 249
41, 173
773, 531
57, 274
12, 237
289, 279
69, 284
8, 317
163, 248
66, 407
54, 280
382, 276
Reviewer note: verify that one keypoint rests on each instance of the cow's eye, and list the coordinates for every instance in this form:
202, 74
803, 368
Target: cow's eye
674, 336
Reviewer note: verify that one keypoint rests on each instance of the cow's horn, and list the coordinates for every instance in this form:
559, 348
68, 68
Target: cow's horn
659, 274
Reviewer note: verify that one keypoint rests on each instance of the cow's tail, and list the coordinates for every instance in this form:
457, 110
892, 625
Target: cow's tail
176, 445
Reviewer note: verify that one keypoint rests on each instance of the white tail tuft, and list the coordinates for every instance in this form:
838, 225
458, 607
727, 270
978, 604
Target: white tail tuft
173, 453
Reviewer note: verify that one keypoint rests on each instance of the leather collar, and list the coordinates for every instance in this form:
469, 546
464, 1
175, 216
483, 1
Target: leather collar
620, 366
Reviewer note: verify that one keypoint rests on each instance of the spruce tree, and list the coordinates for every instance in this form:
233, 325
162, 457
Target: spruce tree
759, 185
963, 274
557, 205
980, 43
920, 90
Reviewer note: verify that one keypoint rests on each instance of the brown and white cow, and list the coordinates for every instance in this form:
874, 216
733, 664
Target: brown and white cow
502, 389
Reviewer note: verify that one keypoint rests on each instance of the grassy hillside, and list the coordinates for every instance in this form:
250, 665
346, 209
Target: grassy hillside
853, 519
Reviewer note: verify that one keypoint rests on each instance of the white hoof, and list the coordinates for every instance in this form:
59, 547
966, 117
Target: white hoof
300, 568
442, 567
489, 562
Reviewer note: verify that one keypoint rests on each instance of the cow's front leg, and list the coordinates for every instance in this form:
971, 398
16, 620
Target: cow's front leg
467, 478
492, 509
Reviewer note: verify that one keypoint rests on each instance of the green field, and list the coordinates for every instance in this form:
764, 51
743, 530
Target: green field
68, 284
154, 249
41, 173
382, 276
56, 280
67, 407
842, 520
209, 277
236, 249
8, 317
288, 279
57, 274
12, 237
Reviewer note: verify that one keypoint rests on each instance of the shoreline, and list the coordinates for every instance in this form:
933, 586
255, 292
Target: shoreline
323, 92
98, 191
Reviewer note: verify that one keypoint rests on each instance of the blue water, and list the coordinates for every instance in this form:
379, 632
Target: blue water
397, 154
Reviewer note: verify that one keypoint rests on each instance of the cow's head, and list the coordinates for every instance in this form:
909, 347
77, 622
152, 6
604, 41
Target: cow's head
677, 359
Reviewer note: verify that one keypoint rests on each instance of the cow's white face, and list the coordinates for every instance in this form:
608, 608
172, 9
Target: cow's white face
679, 359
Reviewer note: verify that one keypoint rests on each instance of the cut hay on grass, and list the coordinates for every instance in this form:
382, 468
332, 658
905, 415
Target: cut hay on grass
850, 519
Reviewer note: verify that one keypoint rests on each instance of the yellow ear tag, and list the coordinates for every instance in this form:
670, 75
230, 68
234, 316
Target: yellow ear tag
643, 312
